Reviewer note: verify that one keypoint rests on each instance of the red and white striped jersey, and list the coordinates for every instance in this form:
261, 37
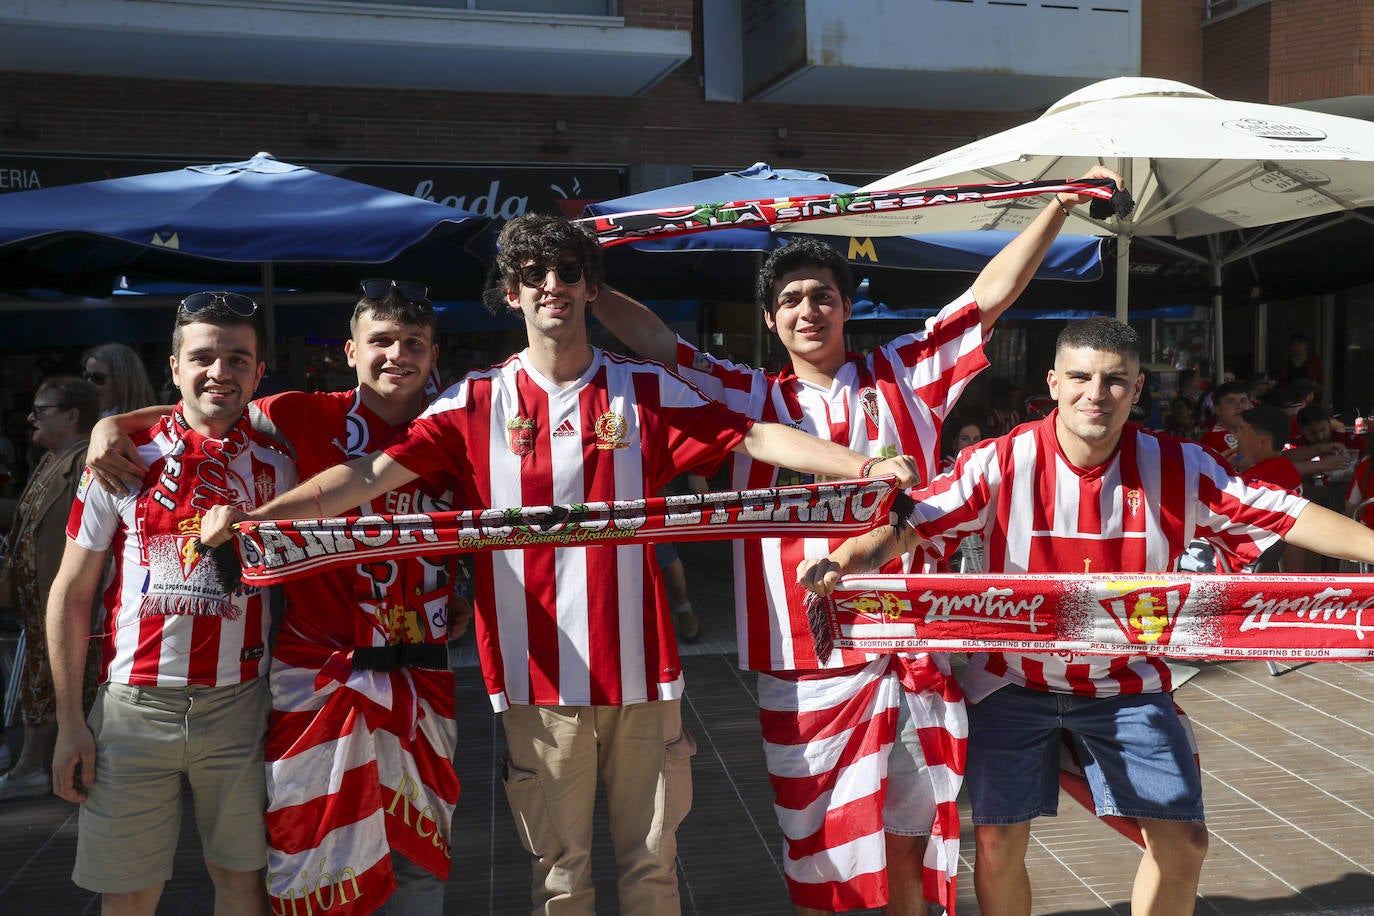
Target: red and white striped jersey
572, 625
893, 401
1136, 512
175, 650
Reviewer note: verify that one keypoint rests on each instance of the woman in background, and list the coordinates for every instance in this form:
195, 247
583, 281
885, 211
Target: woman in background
64, 410
119, 375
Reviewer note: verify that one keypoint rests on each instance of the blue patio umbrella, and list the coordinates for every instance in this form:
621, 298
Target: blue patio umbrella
223, 224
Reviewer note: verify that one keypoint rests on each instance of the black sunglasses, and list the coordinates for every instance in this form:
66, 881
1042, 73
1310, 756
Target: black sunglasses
414, 292
237, 303
95, 378
568, 272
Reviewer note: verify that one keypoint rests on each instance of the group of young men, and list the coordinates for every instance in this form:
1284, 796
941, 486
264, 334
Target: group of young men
865, 753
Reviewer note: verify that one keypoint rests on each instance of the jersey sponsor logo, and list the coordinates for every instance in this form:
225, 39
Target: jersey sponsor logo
611, 430
564, 430
521, 436
1145, 613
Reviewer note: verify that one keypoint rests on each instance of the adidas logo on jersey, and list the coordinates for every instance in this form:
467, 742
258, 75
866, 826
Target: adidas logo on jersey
565, 429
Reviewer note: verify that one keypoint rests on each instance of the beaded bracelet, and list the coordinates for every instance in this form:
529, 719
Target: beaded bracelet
868, 466
1062, 209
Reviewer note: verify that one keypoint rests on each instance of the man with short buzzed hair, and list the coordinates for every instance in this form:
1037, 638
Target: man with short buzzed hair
1084, 490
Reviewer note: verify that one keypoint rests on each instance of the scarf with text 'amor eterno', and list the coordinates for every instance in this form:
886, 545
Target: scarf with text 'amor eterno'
279, 551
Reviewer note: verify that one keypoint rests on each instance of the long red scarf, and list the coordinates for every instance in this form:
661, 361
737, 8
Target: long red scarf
194, 476
1176, 615
274, 552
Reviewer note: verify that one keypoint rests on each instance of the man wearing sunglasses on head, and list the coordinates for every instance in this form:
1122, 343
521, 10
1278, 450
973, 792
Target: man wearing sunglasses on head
183, 694
577, 642
349, 788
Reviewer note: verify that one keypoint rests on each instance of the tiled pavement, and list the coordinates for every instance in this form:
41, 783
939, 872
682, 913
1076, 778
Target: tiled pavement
1288, 776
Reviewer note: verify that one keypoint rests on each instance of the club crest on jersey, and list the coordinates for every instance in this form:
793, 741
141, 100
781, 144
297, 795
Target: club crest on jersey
701, 362
521, 432
868, 399
611, 429
1134, 500
265, 484
1146, 613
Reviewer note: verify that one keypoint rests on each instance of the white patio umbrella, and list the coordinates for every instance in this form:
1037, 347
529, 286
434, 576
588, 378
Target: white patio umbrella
1197, 165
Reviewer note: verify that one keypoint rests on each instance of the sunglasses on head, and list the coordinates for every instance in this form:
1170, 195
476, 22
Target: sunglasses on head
533, 275
237, 303
379, 288
95, 378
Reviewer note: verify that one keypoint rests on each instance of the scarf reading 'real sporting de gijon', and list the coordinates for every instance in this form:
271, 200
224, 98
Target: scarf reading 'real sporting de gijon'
1179, 615
278, 551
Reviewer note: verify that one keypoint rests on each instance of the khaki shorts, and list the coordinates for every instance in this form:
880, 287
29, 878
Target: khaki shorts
147, 739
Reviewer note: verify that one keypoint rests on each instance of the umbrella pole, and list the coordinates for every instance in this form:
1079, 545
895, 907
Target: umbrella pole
1123, 275
1218, 344
269, 313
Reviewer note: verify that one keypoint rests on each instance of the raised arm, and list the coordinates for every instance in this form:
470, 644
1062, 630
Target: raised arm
1005, 277
329, 493
69, 631
773, 443
861, 553
636, 326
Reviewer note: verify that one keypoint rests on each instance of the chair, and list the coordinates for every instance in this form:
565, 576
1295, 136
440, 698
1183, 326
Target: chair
12, 671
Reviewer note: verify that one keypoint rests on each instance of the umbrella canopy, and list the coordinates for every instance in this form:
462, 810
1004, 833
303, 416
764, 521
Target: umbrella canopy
1197, 165
723, 261
221, 223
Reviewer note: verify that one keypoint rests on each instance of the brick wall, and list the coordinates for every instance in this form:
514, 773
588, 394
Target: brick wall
670, 124
1292, 51
1171, 40
1321, 49
1235, 55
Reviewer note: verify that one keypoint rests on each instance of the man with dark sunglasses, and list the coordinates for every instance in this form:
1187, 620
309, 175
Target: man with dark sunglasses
184, 697
576, 642
380, 789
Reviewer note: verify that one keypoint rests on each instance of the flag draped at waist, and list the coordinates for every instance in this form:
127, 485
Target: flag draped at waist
278, 551
1181, 615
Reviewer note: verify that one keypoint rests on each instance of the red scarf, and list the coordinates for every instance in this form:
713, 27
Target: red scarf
193, 477
276, 552
1176, 615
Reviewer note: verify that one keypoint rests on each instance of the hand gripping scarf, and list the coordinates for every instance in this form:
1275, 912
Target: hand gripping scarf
1176, 615
279, 551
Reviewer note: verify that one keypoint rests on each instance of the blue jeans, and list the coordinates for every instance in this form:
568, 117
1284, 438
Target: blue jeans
1135, 755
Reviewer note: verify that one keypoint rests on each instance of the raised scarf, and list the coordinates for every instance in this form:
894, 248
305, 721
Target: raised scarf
621, 228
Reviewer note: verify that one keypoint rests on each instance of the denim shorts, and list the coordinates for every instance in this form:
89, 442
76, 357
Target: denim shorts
1134, 751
